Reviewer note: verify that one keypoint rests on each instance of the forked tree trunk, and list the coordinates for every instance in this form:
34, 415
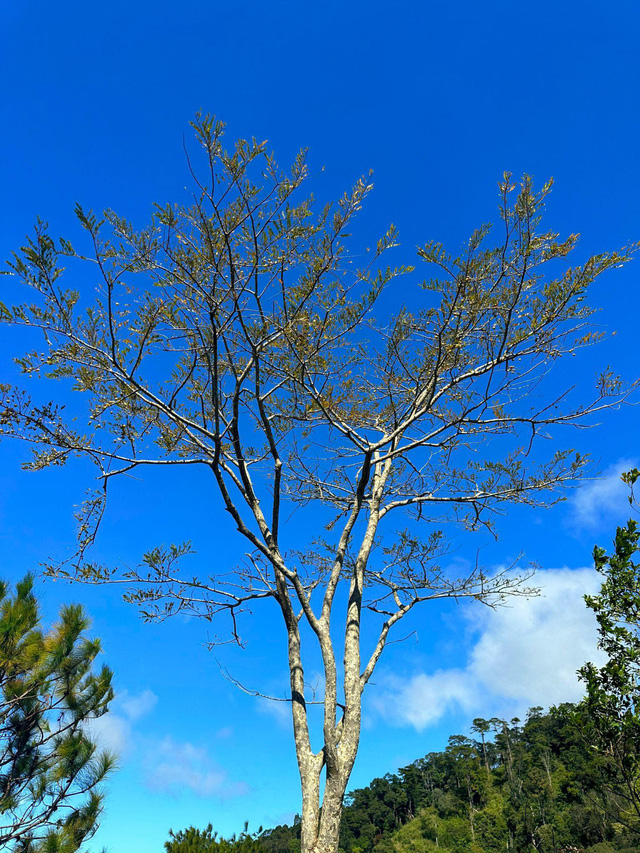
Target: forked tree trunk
321, 823
320, 830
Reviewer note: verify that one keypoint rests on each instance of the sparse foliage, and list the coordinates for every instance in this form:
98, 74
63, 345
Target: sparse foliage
238, 333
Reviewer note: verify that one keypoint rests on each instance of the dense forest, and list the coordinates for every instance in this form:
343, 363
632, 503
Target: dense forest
514, 787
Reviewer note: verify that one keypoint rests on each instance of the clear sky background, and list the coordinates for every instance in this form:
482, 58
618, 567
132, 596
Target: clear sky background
439, 99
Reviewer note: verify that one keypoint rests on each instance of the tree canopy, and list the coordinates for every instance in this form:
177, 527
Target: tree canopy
241, 333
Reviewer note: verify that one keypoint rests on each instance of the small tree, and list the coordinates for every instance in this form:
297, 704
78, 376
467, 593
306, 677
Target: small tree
50, 769
238, 334
612, 703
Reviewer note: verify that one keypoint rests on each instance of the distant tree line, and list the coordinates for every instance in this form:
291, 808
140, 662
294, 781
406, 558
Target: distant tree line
516, 787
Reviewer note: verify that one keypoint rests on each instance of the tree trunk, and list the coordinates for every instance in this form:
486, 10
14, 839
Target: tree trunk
321, 823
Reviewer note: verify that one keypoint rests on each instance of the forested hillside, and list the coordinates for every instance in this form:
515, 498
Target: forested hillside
514, 787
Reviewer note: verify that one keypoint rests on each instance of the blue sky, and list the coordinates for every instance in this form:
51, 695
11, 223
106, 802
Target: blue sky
439, 99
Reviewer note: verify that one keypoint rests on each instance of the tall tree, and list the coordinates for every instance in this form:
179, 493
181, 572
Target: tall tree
481, 727
238, 334
50, 768
612, 703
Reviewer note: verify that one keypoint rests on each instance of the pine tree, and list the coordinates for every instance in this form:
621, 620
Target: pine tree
192, 840
50, 768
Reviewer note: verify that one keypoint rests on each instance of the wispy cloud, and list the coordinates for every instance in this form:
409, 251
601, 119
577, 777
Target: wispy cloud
114, 730
225, 732
168, 765
525, 654
280, 712
424, 699
137, 705
604, 500
178, 766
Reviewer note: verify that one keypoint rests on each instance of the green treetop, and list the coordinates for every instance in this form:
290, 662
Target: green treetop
613, 691
50, 768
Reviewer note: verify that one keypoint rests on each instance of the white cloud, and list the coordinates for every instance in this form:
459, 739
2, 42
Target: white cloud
170, 766
603, 500
531, 650
111, 732
424, 699
176, 766
114, 730
138, 705
526, 654
277, 710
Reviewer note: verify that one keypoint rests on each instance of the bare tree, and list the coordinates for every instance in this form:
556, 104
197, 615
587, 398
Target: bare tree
239, 334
